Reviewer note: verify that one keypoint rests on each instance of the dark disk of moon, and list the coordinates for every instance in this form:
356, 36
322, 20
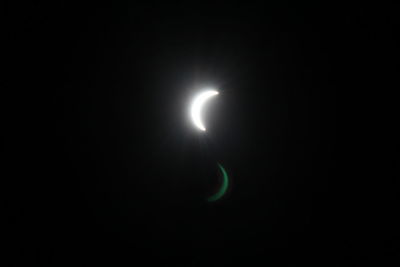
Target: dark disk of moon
221, 192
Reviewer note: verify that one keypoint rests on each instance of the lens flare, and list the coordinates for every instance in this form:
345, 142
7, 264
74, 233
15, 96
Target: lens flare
224, 186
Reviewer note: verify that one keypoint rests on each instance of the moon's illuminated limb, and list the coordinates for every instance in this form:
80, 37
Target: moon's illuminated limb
197, 105
224, 187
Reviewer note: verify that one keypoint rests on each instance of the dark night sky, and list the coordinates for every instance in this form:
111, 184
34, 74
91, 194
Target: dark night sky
103, 167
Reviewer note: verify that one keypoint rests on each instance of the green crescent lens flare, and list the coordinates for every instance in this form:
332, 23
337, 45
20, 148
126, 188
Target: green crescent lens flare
224, 186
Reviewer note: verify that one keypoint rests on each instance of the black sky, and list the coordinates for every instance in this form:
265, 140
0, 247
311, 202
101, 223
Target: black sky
103, 167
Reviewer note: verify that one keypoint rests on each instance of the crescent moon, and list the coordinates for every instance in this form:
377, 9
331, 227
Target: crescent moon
197, 106
224, 186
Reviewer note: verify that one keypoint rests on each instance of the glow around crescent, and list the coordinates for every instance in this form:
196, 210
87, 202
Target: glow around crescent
224, 186
197, 106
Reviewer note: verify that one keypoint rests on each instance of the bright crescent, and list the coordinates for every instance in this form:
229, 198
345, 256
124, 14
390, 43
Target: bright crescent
223, 188
197, 106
